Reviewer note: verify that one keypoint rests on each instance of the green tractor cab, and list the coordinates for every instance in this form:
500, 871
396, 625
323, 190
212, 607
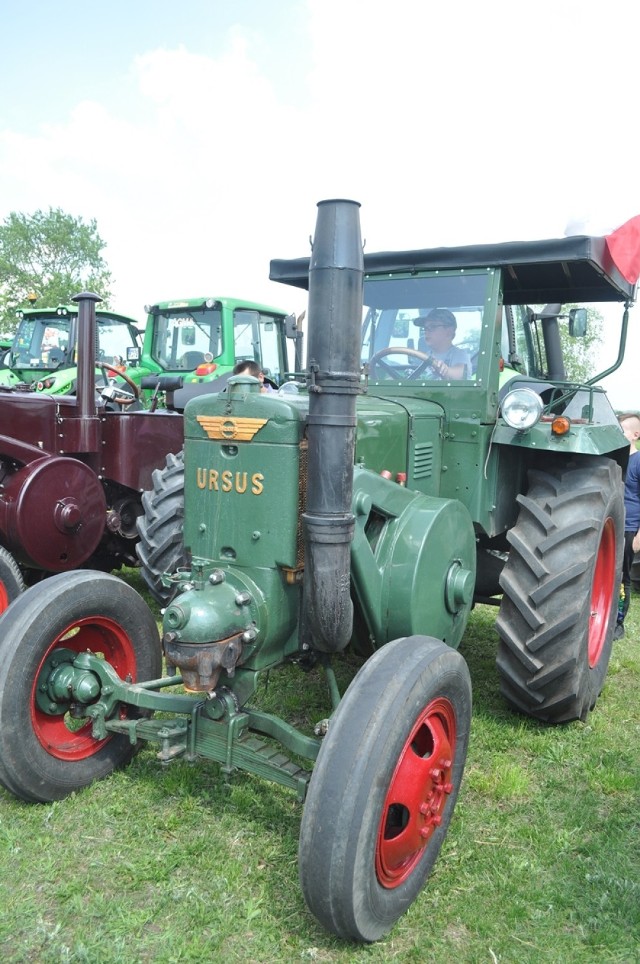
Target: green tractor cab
42, 356
201, 339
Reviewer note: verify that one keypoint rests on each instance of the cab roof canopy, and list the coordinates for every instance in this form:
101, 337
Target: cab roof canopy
559, 270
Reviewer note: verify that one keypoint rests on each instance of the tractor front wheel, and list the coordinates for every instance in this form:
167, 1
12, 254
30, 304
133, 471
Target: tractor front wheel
384, 787
11, 581
47, 749
161, 546
560, 590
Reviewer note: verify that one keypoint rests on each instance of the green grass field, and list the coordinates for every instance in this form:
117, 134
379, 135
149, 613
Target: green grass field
155, 864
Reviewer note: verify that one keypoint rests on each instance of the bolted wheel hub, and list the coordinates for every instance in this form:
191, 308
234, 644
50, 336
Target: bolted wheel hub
59, 683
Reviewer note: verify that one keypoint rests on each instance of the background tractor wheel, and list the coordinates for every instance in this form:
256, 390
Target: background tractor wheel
45, 754
161, 545
11, 581
384, 787
560, 590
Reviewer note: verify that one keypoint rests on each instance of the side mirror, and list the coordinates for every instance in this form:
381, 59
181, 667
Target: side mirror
291, 329
578, 322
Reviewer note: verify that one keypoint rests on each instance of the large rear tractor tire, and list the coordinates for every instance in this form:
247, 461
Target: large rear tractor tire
560, 590
46, 750
11, 581
384, 787
161, 546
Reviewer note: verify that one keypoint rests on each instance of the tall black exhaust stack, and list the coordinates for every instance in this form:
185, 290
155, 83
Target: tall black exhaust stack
336, 273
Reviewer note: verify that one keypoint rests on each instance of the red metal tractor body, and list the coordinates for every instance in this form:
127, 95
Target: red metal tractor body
72, 470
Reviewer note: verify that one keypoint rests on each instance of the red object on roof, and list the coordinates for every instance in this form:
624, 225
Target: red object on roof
624, 248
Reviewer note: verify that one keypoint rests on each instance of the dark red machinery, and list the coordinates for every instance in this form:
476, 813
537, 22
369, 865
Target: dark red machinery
72, 470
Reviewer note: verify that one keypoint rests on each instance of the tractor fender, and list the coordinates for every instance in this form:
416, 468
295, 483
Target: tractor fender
413, 561
582, 439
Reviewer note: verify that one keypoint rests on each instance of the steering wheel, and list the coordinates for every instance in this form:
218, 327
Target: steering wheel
125, 397
427, 362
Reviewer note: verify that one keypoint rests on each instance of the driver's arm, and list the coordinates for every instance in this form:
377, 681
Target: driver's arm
448, 372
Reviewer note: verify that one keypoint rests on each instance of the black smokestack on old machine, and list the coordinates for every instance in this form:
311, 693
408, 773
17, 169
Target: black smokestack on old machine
336, 273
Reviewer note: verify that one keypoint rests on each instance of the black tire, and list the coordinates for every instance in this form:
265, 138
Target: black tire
405, 717
161, 546
560, 590
11, 581
42, 757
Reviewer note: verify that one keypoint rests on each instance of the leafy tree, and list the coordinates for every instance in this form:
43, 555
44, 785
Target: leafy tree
581, 354
52, 255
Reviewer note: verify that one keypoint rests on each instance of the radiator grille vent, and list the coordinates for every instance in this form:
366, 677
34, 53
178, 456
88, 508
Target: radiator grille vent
423, 460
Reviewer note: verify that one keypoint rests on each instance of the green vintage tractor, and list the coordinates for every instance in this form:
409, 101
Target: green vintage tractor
368, 511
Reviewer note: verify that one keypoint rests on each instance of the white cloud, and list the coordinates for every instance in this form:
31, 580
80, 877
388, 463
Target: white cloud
193, 197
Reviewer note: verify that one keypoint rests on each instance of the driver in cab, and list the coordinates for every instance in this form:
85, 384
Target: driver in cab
436, 337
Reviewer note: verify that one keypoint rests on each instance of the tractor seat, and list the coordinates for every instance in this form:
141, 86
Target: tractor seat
191, 359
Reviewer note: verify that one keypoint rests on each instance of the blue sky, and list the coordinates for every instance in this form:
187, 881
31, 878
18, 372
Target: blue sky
55, 53
200, 134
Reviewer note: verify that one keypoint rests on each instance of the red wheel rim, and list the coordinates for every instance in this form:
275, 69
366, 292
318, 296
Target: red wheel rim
4, 597
602, 592
100, 636
417, 793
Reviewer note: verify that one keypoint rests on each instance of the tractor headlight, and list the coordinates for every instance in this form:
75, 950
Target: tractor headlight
45, 385
521, 409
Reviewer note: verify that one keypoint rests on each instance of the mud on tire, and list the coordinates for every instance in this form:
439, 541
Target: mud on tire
560, 590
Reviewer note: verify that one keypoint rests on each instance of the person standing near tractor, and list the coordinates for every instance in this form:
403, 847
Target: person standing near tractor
248, 367
630, 425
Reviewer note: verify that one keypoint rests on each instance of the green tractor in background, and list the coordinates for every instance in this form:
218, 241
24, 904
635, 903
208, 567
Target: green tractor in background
197, 340
42, 355
203, 338
369, 511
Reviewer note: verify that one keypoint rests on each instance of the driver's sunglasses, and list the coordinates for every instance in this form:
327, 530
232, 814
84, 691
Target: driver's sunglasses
434, 326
